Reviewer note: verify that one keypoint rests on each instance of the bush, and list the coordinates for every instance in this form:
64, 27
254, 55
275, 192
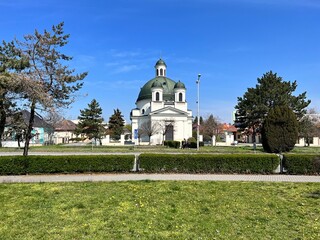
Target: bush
13, 165
10, 165
279, 130
172, 144
192, 143
302, 164
209, 163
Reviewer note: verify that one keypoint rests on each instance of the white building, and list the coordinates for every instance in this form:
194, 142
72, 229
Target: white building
162, 109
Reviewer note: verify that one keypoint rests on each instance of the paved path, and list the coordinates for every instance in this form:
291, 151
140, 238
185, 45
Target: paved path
163, 177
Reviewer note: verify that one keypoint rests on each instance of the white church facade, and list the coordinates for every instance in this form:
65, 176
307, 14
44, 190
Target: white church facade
161, 111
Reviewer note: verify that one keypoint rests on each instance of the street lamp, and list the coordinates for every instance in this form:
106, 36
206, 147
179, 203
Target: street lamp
198, 102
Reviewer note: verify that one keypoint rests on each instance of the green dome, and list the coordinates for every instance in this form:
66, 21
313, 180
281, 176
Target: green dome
156, 84
179, 85
166, 83
160, 62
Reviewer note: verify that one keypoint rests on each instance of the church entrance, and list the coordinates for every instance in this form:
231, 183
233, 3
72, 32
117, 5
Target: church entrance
169, 132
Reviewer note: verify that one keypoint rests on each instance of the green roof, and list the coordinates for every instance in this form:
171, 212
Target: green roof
179, 85
156, 84
167, 84
160, 62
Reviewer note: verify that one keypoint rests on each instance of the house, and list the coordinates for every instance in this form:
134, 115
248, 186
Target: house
42, 131
64, 131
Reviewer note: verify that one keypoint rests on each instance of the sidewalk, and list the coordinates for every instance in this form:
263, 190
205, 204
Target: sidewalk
155, 177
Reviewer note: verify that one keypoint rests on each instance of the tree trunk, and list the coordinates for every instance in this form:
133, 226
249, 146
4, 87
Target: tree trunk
29, 129
3, 117
254, 139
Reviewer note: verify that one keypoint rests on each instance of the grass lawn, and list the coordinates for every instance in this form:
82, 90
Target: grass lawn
154, 149
160, 210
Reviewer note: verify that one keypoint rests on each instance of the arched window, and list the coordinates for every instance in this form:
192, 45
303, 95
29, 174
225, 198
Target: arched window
157, 72
180, 97
142, 111
161, 72
157, 96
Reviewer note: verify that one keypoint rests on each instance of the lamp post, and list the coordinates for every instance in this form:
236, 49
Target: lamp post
198, 102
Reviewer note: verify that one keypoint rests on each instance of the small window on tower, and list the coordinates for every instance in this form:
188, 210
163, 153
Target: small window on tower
157, 96
161, 72
180, 97
142, 111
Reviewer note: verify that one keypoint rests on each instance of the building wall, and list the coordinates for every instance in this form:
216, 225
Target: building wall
63, 137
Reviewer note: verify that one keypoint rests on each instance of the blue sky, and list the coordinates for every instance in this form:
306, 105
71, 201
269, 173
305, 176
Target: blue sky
230, 42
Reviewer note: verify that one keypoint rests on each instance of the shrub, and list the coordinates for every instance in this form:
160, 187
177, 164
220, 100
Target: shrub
172, 144
209, 163
279, 130
301, 164
13, 165
192, 143
65, 164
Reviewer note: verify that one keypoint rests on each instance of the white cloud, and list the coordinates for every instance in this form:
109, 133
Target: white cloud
126, 68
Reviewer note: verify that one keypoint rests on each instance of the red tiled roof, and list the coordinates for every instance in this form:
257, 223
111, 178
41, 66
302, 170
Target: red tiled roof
229, 127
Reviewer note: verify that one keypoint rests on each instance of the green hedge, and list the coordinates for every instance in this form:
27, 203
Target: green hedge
209, 163
17, 165
301, 164
172, 144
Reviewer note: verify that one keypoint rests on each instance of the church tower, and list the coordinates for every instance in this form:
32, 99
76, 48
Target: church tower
161, 68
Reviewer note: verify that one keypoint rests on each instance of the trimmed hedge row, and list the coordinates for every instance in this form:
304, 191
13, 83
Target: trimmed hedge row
209, 163
172, 144
18, 165
301, 164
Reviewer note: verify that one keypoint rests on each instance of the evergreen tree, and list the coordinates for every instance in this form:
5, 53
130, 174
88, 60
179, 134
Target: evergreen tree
116, 123
91, 122
270, 91
280, 130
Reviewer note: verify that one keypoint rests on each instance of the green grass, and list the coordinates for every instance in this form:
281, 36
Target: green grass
133, 149
154, 149
160, 210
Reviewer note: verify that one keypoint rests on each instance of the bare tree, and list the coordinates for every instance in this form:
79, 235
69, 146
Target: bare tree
164, 127
211, 126
309, 125
53, 117
47, 81
149, 129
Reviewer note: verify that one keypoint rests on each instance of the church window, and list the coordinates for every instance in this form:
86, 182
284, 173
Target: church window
142, 111
157, 96
161, 72
180, 97
157, 72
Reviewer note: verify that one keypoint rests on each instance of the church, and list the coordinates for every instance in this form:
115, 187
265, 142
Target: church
161, 111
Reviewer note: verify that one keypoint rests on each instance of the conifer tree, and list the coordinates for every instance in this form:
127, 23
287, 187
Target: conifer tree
280, 130
270, 91
91, 122
116, 123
